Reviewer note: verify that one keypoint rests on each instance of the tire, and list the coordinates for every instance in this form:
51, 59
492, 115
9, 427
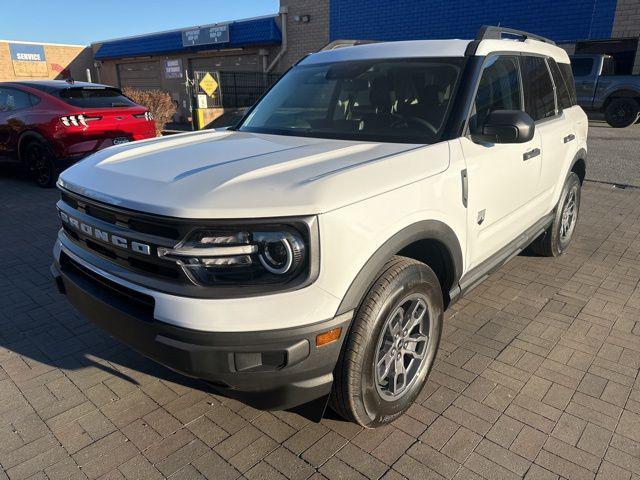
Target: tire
553, 242
364, 396
622, 112
40, 164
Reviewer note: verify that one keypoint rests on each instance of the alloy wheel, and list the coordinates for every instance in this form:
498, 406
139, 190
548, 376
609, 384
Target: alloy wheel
402, 347
569, 215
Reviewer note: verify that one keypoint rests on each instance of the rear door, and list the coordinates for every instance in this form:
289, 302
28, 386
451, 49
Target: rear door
503, 179
551, 124
585, 78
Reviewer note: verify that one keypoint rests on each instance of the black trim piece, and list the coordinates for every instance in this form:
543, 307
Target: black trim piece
489, 32
477, 274
465, 95
531, 154
424, 230
465, 187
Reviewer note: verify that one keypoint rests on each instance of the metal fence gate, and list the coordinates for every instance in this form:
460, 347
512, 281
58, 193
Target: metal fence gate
235, 89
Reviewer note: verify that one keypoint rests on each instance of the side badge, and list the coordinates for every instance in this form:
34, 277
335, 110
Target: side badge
481, 214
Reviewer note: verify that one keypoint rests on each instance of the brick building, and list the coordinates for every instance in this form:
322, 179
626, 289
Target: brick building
167, 60
39, 61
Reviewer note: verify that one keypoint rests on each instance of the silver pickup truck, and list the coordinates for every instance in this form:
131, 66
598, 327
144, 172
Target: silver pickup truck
600, 89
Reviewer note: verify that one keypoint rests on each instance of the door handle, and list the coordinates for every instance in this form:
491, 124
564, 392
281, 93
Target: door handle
530, 154
569, 138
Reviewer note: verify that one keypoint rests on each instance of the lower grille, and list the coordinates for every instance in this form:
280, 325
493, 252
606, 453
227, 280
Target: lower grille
137, 304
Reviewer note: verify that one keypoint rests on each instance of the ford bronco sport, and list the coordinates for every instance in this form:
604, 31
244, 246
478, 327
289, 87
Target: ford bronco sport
306, 255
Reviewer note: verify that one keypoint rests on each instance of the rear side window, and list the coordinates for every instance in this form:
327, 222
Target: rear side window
562, 90
539, 97
567, 74
95, 97
12, 99
499, 89
581, 66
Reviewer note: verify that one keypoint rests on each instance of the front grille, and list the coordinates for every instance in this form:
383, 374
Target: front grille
162, 232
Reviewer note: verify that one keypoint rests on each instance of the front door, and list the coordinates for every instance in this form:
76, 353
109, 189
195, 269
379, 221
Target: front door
503, 179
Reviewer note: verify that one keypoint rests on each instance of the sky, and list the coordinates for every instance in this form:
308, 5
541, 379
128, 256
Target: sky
51, 21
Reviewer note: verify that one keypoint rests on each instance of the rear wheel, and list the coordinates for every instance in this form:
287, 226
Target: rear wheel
391, 346
40, 164
556, 239
622, 112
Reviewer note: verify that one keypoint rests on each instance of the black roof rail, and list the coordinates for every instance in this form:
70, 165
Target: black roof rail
488, 32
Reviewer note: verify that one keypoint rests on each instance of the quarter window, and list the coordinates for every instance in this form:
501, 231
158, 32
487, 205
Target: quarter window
11, 99
499, 89
539, 97
567, 74
562, 89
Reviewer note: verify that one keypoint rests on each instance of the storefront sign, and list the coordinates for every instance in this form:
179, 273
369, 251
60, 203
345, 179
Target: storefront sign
205, 36
28, 60
173, 68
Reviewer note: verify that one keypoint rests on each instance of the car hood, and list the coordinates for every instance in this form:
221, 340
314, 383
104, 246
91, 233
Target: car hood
229, 174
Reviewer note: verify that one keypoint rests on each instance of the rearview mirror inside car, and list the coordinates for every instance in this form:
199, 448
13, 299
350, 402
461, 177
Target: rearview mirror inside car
508, 126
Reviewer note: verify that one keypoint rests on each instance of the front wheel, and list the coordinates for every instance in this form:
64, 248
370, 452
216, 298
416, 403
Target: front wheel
556, 239
622, 112
391, 346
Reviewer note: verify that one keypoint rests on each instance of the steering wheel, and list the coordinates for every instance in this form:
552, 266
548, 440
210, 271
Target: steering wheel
415, 122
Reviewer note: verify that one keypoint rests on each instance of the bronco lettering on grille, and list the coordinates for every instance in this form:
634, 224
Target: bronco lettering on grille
105, 236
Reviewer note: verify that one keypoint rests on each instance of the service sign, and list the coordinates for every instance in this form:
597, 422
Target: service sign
205, 36
173, 68
28, 60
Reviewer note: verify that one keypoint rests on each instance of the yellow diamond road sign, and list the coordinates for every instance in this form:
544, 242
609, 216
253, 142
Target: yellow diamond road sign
208, 84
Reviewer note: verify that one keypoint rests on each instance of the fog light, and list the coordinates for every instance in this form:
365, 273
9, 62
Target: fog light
329, 336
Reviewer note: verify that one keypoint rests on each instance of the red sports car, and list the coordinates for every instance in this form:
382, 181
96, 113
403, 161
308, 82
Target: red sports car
47, 125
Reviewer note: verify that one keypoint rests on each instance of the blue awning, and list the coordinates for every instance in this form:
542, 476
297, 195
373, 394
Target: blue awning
243, 33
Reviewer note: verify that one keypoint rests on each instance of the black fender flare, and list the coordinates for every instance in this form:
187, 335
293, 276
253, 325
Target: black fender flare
31, 135
581, 155
423, 230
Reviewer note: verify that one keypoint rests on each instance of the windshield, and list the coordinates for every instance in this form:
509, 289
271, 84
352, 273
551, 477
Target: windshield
95, 97
399, 100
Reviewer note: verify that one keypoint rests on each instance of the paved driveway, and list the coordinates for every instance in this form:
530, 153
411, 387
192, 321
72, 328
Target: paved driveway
537, 377
613, 154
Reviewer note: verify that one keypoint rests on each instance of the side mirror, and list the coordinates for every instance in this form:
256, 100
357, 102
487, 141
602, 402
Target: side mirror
508, 126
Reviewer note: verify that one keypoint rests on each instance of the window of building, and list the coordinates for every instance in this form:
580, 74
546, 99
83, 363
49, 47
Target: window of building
539, 97
499, 89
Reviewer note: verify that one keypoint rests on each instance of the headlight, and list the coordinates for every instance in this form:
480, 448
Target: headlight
244, 256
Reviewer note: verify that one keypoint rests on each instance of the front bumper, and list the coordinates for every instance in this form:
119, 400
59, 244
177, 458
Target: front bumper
268, 369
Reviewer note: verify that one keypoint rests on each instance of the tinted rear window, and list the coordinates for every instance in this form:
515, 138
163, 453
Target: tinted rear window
562, 90
94, 97
567, 74
539, 97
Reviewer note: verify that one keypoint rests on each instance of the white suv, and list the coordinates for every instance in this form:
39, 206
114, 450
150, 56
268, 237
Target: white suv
307, 255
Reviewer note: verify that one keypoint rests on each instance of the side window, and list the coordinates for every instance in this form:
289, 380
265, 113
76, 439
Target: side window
562, 90
581, 66
608, 66
11, 99
567, 74
499, 89
539, 97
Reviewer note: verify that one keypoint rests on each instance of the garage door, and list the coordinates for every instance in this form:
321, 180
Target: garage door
144, 75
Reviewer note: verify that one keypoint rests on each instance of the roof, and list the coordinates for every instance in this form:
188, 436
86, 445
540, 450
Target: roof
382, 50
433, 48
242, 33
50, 86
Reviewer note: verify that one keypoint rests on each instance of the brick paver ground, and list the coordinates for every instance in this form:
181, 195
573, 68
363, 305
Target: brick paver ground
537, 377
